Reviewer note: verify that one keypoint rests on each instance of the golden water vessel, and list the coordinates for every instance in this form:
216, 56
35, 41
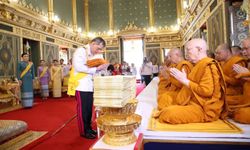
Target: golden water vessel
119, 124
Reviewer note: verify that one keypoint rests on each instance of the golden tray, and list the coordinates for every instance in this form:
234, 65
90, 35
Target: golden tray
119, 123
128, 109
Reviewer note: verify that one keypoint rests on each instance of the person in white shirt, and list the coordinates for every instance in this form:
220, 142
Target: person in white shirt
155, 70
84, 89
146, 70
133, 69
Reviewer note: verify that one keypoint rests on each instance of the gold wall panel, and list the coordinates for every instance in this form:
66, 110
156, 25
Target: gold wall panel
215, 29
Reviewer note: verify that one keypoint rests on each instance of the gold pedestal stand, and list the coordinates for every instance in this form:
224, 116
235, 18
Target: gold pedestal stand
119, 124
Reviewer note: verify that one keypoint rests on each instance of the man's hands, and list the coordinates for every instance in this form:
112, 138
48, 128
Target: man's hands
102, 67
179, 75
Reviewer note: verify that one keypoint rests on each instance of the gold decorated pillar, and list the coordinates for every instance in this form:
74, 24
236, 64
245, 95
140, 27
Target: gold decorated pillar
111, 16
248, 11
179, 9
151, 13
86, 15
74, 18
50, 10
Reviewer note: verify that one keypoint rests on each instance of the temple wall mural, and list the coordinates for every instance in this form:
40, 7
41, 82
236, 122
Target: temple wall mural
153, 53
239, 31
50, 52
9, 54
113, 57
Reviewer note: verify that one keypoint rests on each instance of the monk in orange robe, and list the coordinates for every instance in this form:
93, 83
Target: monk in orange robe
201, 99
173, 86
240, 109
234, 85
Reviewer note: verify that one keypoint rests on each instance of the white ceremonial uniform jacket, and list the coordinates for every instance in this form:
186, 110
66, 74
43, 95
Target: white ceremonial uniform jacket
80, 57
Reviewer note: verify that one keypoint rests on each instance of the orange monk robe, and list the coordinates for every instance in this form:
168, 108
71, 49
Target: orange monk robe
234, 85
173, 87
203, 100
240, 110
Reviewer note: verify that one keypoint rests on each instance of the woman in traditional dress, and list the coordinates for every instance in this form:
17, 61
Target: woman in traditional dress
25, 75
44, 77
56, 78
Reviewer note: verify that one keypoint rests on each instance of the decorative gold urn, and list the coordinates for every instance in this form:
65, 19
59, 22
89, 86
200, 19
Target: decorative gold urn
119, 124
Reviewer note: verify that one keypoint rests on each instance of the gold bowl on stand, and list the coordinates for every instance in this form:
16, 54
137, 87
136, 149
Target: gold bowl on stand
119, 129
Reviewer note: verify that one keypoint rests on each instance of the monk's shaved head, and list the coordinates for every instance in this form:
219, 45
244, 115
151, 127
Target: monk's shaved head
175, 55
223, 52
246, 47
196, 49
224, 47
202, 44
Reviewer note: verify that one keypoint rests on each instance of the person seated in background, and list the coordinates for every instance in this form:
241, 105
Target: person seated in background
202, 98
234, 85
111, 69
173, 86
240, 109
117, 70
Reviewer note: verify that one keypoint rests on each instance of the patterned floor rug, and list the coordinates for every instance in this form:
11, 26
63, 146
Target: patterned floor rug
22, 140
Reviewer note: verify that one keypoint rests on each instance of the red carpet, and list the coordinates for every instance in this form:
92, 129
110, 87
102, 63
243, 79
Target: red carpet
51, 115
139, 88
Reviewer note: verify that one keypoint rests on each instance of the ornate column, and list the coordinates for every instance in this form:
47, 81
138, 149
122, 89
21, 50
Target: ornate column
151, 13
179, 9
50, 10
248, 12
111, 16
74, 18
86, 15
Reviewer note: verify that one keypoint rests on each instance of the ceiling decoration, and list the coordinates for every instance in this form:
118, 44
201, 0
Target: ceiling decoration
125, 14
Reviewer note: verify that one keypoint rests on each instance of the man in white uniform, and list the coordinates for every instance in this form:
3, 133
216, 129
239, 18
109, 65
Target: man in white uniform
84, 89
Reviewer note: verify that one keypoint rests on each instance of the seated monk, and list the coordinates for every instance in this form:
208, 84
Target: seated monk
234, 86
173, 86
240, 110
201, 99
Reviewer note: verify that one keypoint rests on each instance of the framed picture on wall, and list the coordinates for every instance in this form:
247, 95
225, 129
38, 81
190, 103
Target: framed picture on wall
9, 54
50, 52
112, 56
